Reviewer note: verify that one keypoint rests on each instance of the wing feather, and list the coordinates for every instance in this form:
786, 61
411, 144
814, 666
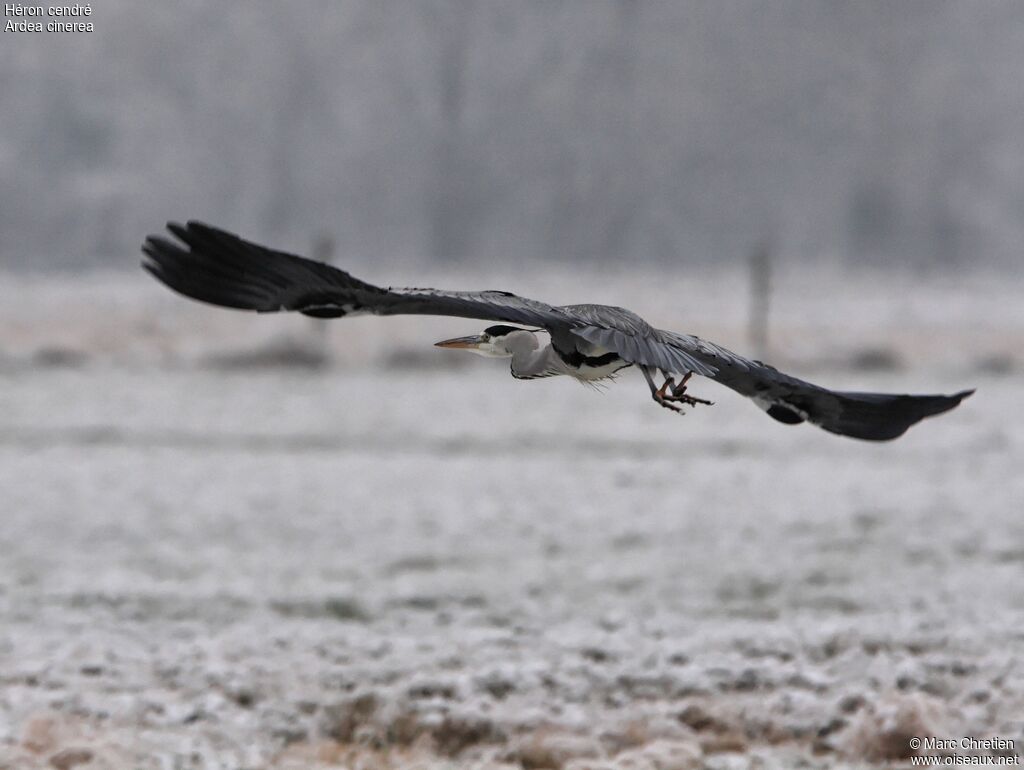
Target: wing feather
871, 416
648, 350
218, 267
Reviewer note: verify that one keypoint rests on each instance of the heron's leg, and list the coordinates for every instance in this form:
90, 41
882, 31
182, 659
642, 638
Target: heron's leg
680, 389
679, 392
658, 394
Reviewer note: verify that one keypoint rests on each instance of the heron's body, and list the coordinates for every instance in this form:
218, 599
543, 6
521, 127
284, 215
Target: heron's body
588, 342
586, 363
594, 365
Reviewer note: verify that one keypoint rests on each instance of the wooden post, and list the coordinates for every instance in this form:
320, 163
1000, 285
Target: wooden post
760, 296
323, 251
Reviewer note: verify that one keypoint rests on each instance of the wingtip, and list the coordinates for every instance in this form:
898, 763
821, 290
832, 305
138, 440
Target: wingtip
183, 231
201, 228
178, 230
150, 244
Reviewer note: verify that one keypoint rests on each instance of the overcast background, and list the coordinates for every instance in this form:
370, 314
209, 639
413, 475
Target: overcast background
842, 133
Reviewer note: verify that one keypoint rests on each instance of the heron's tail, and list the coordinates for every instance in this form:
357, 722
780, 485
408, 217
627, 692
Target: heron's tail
223, 269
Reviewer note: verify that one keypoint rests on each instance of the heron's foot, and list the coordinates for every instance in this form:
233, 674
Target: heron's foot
667, 402
682, 398
679, 395
680, 389
662, 398
662, 393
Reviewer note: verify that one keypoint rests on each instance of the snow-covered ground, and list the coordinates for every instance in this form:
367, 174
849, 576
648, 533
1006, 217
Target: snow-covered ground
407, 558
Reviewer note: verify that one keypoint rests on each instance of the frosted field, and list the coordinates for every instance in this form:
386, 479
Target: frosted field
409, 559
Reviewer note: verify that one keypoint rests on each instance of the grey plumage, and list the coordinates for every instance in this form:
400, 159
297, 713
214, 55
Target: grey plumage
218, 267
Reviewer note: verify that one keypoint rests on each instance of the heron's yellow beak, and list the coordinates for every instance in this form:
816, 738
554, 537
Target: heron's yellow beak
471, 342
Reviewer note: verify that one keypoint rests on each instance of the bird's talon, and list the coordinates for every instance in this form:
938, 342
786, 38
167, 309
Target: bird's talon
680, 389
689, 400
665, 402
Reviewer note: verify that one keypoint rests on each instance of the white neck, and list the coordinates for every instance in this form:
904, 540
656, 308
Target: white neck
529, 360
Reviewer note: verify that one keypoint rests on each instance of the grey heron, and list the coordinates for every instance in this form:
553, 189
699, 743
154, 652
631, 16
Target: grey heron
587, 342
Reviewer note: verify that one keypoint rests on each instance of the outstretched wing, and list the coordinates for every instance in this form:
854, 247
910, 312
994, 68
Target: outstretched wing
220, 268
871, 416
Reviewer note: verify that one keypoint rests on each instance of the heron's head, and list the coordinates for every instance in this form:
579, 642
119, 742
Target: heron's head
494, 342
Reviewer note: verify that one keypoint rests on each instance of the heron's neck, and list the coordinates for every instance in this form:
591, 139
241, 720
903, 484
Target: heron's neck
528, 360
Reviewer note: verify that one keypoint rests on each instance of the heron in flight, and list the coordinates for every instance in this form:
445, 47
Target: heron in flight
587, 342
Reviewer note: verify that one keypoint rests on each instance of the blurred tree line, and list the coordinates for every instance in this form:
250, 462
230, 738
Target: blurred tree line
469, 130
